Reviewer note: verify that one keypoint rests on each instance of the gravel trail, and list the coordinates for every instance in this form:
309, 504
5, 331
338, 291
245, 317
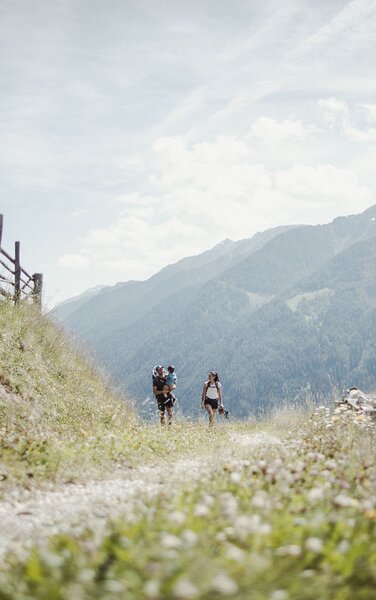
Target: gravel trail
31, 517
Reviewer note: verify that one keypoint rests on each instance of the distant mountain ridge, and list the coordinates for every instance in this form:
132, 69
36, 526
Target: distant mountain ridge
268, 312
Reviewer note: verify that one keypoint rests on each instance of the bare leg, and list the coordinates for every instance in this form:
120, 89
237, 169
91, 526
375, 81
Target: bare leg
162, 417
211, 412
170, 412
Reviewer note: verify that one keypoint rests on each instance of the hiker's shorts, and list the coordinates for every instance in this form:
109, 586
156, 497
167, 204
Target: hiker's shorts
164, 403
213, 403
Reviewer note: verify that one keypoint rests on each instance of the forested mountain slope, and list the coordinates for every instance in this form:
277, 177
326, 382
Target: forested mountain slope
292, 318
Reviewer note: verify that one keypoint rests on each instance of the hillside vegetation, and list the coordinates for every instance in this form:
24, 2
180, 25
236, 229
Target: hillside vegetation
59, 417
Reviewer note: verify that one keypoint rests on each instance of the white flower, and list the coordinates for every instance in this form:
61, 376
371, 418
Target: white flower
185, 590
223, 584
235, 553
260, 499
279, 595
289, 550
170, 541
345, 501
314, 544
114, 586
229, 505
235, 477
307, 573
331, 464
343, 547
315, 494
189, 536
265, 528
177, 517
244, 525
151, 589
201, 510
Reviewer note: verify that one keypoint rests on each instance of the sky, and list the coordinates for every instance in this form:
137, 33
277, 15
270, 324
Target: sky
137, 132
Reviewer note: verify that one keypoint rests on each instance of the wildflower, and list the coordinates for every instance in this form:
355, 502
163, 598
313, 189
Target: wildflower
201, 510
235, 553
229, 505
343, 547
289, 550
189, 536
151, 589
223, 584
177, 517
170, 541
279, 595
185, 590
331, 464
235, 477
344, 501
307, 573
314, 544
315, 494
114, 586
261, 500
244, 525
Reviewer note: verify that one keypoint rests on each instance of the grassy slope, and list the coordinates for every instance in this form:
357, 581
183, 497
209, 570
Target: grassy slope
59, 418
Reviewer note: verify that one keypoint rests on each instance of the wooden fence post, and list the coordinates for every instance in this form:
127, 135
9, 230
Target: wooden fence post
38, 288
17, 273
1, 228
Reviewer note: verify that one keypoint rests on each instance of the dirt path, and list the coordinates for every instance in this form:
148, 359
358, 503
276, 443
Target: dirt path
29, 518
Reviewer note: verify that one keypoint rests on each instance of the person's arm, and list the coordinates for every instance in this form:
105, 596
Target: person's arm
157, 392
220, 395
203, 396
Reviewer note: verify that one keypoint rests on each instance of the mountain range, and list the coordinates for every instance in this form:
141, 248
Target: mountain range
284, 316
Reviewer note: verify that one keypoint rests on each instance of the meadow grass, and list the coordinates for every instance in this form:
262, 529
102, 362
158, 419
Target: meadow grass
289, 520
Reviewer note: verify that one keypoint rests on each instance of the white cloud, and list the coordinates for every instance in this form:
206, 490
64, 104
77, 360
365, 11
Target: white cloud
334, 105
360, 135
205, 192
353, 15
323, 184
370, 111
334, 112
266, 129
74, 261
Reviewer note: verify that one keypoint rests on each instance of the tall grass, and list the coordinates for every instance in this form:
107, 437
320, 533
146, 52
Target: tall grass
59, 417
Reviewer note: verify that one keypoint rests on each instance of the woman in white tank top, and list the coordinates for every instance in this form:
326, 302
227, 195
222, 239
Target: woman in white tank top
211, 397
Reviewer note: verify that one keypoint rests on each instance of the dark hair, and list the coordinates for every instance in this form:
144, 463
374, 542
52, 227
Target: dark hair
215, 375
170, 368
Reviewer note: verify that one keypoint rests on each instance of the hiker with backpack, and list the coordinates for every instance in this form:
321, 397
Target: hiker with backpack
164, 399
211, 398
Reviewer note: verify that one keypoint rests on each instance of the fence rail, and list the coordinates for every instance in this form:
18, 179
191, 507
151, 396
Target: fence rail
16, 283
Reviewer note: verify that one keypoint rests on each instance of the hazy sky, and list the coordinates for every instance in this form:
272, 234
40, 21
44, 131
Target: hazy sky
136, 132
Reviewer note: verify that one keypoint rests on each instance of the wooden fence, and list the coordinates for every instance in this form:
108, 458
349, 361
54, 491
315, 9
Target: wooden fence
16, 283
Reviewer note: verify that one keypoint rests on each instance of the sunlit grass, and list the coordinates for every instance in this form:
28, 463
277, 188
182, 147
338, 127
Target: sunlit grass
295, 519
